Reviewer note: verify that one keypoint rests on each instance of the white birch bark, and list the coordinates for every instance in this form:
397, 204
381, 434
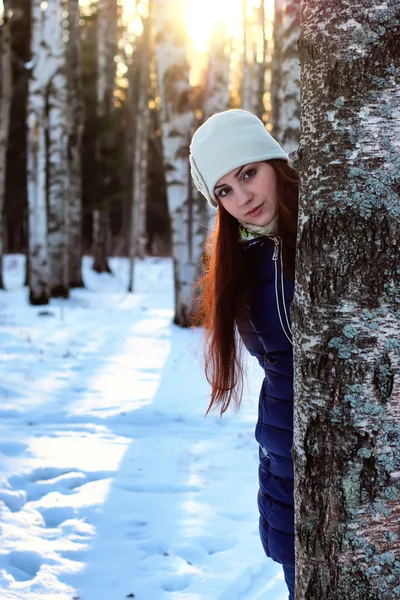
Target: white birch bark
289, 93
276, 69
261, 63
5, 106
177, 123
39, 273
247, 71
58, 183
106, 71
216, 91
75, 132
346, 314
254, 58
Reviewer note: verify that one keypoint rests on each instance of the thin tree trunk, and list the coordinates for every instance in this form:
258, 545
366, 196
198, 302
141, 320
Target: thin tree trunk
39, 274
290, 87
75, 132
276, 69
137, 242
5, 106
247, 99
216, 93
346, 312
58, 183
262, 64
101, 238
177, 122
106, 50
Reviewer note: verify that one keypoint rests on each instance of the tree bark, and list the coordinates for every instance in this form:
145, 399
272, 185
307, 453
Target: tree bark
75, 132
137, 241
276, 69
346, 312
107, 13
101, 241
39, 274
5, 107
289, 93
187, 215
57, 163
216, 92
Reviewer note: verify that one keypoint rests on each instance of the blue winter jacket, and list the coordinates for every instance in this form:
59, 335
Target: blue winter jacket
266, 332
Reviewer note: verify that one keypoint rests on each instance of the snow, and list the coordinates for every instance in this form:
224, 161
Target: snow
113, 485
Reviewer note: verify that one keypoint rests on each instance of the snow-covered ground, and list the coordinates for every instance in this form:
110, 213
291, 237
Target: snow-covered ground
113, 485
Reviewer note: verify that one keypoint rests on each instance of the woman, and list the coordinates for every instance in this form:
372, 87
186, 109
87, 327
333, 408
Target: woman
248, 287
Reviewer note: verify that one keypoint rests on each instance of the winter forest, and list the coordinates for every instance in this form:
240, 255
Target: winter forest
113, 485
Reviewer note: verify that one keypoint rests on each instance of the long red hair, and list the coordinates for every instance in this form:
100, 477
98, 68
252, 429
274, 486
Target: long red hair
222, 290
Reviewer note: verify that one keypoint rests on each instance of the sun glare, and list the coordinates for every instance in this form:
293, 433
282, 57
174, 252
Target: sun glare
204, 17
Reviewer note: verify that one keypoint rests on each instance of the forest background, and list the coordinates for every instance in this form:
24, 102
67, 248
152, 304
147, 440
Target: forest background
99, 101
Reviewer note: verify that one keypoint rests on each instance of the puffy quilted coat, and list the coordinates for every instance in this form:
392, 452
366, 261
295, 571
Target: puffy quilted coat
266, 332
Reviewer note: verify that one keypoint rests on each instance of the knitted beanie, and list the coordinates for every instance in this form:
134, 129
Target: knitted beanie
226, 141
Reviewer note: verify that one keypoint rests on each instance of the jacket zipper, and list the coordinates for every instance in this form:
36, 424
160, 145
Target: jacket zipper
275, 258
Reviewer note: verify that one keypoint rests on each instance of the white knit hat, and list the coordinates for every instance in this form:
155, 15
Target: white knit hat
226, 141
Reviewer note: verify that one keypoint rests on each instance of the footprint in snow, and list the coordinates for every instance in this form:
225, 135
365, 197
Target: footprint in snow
33, 486
22, 565
216, 545
12, 448
176, 583
55, 515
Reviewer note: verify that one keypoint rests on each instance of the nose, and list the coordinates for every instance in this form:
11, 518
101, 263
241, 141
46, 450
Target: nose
244, 196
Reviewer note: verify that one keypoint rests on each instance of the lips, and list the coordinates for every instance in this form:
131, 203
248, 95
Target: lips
254, 212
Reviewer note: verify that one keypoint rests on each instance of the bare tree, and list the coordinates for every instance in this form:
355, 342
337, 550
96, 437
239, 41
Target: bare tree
5, 106
216, 89
75, 131
57, 152
41, 72
140, 118
276, 68
254, 58
186, 211
346, 312
107, 14
289, 93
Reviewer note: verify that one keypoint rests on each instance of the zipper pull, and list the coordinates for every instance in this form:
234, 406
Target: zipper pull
276, 249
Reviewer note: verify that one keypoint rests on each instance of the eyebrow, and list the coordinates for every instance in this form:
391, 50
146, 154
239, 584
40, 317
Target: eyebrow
236, 176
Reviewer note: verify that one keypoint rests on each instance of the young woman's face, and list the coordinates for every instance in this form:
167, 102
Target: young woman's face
249, 193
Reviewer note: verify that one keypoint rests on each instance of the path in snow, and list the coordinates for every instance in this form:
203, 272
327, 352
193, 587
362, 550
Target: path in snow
114, 485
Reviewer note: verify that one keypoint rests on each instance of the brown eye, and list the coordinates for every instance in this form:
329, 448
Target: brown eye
224, 192
249, 173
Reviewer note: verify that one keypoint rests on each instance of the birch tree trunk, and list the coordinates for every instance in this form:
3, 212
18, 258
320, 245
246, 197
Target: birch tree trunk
289, 93
177, 122
39, 274
75, 132
5, 106
247, 99
216, 91
57, 136
346, 312
106, 71
261, 64
276, 69
137, 240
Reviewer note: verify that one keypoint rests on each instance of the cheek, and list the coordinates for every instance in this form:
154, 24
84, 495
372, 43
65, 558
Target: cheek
227, 205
